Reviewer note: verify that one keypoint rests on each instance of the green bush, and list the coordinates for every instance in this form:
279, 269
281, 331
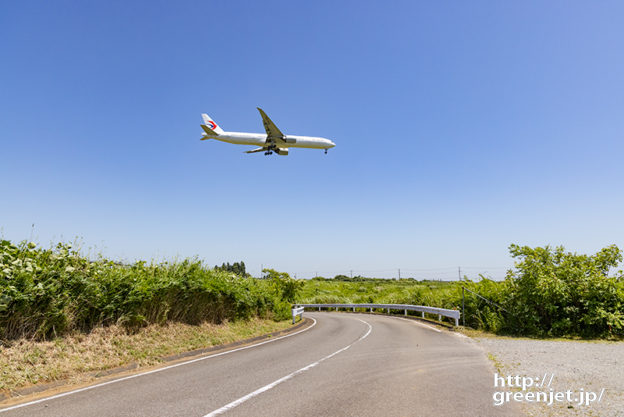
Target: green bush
48, 292
553, 292
284, 287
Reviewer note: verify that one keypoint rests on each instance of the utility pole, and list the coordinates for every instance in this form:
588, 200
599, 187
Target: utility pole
399, 273
261, 269
352, 273
459, 273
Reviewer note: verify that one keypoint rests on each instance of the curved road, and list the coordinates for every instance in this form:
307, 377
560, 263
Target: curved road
344, 365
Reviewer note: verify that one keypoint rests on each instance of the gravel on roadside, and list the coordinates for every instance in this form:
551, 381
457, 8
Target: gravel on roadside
590, 366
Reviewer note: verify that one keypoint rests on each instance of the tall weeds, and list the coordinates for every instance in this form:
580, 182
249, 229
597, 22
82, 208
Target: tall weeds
49, 292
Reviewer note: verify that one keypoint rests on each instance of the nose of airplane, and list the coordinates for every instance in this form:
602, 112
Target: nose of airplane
332, 144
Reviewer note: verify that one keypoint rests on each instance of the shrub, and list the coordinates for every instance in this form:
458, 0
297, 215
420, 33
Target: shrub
48, 292
553, 292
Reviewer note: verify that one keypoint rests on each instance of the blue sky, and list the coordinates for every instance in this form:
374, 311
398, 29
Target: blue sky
461, 127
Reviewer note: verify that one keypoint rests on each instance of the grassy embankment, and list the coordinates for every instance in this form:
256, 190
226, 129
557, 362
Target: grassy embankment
77, 357
62, 314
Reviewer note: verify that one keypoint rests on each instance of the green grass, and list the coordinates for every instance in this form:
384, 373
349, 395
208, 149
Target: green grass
374, 291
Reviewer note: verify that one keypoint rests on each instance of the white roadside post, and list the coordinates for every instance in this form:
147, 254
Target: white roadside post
297, 311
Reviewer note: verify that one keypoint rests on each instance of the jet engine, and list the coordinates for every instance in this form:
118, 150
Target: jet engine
281, 151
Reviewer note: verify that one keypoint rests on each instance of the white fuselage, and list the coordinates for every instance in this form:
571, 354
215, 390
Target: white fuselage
259, 139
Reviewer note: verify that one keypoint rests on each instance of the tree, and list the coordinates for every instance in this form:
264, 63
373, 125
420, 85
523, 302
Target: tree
236, 268
554, 292
284, 286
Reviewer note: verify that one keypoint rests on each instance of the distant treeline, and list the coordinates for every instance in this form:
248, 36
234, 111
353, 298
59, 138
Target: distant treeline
359, 278
237, 268
550, 292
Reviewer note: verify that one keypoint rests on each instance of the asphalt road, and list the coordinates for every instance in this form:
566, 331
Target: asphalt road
345, 365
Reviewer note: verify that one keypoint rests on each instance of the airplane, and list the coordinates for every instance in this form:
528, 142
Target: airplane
273, 141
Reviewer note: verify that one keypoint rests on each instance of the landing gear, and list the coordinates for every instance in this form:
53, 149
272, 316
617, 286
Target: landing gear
325, 151
269, 150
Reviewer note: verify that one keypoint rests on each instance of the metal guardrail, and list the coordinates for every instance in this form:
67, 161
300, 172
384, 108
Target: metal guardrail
297, 311
453, 314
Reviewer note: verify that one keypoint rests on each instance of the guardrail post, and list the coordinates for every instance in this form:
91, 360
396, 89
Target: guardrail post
336, 308
354, 309
423, 314
456, 322
319, 308
371, 309
388, 311
405, 312
439, 317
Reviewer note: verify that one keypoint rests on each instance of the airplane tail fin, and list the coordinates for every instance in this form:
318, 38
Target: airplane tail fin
211, 125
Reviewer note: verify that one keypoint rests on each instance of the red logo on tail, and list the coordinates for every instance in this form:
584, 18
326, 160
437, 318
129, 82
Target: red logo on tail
212, 125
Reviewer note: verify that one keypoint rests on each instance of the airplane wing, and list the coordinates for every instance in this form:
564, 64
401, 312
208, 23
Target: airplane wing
273, 133
256, 150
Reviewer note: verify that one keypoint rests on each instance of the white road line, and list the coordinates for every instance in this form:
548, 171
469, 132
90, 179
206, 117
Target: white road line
283, 379
420, 324
64, 394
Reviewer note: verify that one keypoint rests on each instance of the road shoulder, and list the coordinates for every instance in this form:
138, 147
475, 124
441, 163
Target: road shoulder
37, 391
587, 366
